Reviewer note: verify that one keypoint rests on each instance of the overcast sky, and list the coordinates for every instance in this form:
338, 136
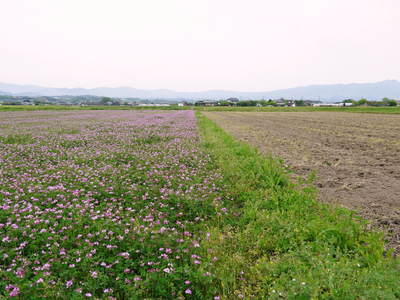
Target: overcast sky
192, 45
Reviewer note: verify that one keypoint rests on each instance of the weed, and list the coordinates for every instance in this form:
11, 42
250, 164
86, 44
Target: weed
20, 139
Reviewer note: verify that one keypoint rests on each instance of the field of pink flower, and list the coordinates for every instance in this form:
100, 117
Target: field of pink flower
105, 204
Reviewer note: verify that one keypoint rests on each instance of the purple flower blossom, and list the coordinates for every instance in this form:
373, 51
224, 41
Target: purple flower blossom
69, 283
188, 291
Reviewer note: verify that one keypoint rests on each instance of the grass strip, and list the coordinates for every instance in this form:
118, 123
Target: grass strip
280, 243
359, 109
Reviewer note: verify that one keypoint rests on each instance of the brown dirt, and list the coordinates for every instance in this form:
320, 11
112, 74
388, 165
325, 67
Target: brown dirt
356, 156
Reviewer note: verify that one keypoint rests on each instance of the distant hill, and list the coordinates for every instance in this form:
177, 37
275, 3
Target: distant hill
372, 91
329, 92
4, 93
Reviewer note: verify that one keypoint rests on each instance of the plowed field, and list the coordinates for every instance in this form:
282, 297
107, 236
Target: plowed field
356, 157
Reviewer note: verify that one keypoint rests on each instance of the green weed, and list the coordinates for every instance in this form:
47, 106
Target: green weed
17, 139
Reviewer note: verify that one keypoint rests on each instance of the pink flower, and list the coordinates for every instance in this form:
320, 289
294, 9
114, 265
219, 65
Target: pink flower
188, 291
20, 272
14, 292
124, 254
69, 283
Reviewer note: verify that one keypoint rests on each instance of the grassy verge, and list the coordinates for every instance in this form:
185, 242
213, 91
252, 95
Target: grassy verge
364, 109
280, 243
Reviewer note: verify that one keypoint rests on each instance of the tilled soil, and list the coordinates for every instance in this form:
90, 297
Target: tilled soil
356, 157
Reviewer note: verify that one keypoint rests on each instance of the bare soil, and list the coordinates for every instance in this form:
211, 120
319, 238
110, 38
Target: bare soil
356, 157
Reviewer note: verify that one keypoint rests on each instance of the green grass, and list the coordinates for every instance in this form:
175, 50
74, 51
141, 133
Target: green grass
17, 139
280, 243
364, 109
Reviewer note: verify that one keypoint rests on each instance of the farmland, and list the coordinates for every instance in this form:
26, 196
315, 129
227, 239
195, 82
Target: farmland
129, 204
356, 157
357, 109
103, 205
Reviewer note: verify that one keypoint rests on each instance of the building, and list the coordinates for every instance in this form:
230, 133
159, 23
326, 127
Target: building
153, 104
206, 103
232, 100
328, 104
283, 102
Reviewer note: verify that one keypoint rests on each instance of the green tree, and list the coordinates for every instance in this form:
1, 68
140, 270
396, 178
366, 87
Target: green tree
363, 101
105, 100
389, 102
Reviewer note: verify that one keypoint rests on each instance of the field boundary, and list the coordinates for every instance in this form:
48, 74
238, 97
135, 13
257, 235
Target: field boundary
282, 243
362, 109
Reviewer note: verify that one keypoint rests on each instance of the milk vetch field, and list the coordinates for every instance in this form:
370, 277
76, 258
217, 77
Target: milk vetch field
103, 204
132, 204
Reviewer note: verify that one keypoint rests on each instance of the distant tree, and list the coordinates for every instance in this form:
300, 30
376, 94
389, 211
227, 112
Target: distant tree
247, 103
389, 102
105, 100
262, 102
362, 101
300, 103
12, 103
38, 102
271, 102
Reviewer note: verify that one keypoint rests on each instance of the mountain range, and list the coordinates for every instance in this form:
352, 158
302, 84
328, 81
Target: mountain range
329, 92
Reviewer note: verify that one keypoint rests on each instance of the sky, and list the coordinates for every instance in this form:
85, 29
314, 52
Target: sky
195, 45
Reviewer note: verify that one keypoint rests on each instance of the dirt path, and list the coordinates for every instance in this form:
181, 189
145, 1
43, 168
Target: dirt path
356, 156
